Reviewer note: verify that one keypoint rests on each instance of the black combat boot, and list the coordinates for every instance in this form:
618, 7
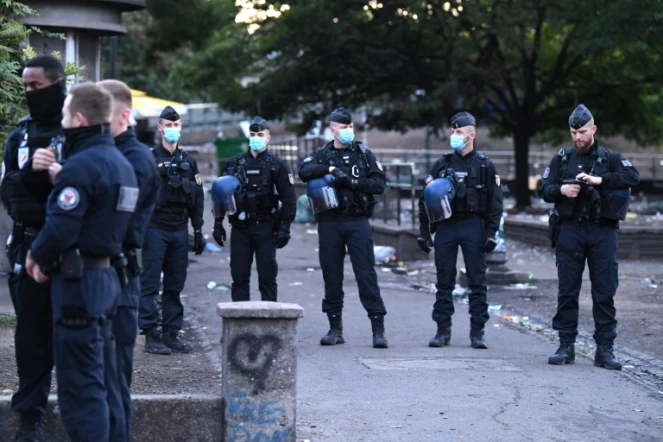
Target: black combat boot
442, 337
173, 342
377, 324
335, 334
29, 428
565, 354
476, 338
154, 344
606, 359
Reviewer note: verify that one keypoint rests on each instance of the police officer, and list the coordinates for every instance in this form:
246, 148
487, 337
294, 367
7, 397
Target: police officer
358, 176
589, 185
166, 241
44, 82
88, 213
125, 321
259, 226
475, 217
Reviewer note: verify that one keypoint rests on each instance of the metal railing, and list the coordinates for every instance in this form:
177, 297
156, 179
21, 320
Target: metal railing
397, 182
650, 165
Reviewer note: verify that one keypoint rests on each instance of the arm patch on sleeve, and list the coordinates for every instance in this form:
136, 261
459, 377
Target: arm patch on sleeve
127, 200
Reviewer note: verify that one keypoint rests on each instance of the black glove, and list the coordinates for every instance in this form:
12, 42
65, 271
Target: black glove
342, 178
198, 242
219, 233
425, 241
282, 237
489, 242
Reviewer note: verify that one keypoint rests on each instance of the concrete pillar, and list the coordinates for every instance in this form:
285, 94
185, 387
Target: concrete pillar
259, 364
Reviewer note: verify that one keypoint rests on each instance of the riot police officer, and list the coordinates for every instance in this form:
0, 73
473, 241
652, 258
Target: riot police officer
471, 222
44, 81
258, 225
88, 213
589, 185
357, 177
125, 321
166, 241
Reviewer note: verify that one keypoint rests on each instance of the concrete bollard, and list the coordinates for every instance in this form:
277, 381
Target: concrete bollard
259, 365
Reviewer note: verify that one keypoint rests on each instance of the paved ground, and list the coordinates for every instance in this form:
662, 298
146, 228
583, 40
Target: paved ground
410, 392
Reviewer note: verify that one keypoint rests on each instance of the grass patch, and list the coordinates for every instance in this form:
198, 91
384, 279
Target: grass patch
7, 321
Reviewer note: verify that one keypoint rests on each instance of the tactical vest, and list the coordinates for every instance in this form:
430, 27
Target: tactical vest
178, 190
25, 209
258, 197
599, 203
353, 161
471, 183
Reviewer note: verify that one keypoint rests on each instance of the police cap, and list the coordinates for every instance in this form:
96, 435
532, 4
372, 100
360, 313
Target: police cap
462, 119
341, 115
258, 124
170, 114
580, 116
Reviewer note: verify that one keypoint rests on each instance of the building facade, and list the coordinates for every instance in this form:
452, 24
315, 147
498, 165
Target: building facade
83, 22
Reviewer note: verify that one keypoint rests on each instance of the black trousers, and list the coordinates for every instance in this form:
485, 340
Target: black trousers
357, 236
449, 235
33, 338
245, 241
597, 244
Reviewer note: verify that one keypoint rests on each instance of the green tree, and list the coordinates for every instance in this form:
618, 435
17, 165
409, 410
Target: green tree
519, 65
12, 35
13, 54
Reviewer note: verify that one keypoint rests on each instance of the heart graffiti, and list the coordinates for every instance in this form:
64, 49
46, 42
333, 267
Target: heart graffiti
253, 356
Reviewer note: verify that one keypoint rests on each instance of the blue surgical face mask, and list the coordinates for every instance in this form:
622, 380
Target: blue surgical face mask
457, 142
257, 144
346, 135
172, 134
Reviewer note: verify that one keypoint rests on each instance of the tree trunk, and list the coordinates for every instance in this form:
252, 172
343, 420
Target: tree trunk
521, 152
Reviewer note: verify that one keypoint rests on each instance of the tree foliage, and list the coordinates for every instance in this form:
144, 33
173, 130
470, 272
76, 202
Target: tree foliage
519, 65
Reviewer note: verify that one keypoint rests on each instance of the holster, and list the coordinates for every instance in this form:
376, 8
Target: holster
553, 227
120, 264
72, 265
135, 262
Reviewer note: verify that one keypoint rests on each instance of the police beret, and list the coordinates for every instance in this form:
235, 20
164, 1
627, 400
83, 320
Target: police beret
258, 124
168, 113
462, 119
341, 115
580, 116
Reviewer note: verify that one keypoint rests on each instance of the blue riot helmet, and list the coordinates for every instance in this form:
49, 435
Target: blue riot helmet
223, 193
322, 194
437, 199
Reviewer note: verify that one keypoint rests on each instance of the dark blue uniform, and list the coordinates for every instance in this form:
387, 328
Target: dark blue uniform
88, 214
348, 224
32, 301
588, 231
266, 180
476, 214
166, 242
125, 322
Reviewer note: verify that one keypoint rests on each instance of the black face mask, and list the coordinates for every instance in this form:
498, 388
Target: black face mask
77, 134
46, 103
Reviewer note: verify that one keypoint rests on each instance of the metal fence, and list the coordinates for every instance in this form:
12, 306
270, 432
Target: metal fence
405, 169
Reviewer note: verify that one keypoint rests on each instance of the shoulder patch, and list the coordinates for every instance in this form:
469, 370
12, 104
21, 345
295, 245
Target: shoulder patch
23, 155
546, 173
377, 163
627, 163
68, 198
199, 179
498, 181
291, 179
307, 159
127, 200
